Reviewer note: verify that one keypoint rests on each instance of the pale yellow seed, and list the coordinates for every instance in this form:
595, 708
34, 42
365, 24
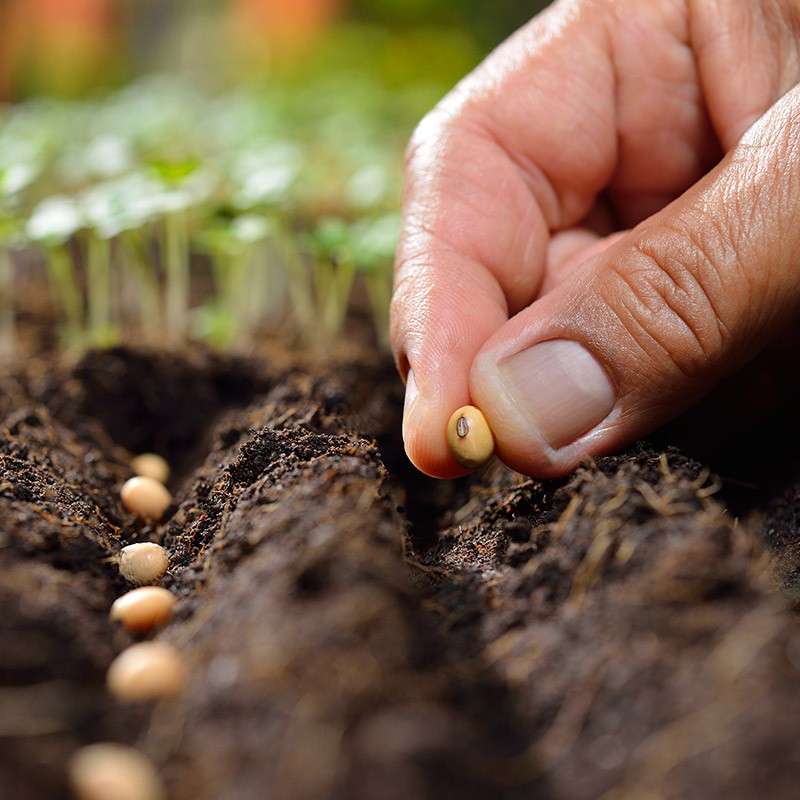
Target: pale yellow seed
470, 438
113, 772
145, 497
143, 562
146, 671
141, 610
151, 465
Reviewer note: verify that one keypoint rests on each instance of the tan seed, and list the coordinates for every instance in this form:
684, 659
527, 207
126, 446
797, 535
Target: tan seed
146, 671
145, 497
143, 562
470, 438
113, 772
151, 465
141, 610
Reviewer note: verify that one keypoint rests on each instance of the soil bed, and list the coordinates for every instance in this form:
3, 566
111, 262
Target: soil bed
354, 630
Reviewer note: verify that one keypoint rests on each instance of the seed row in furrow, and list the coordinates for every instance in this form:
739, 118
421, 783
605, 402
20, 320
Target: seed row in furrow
147, 670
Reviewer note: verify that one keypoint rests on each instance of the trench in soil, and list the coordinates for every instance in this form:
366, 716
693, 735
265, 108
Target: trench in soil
357, 630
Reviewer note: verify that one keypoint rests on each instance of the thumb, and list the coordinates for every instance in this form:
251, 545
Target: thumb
644, 329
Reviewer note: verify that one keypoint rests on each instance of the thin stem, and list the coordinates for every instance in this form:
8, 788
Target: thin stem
254, 291
228, 279
7, 321
176, 263
240, 292
257, 295
323, 276
138, 261
343, 285
99, 291
66, 293
299, 289
379, 290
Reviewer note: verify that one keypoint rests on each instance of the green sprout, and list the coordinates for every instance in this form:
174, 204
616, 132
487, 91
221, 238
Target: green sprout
99, 212
241, 278
374, 242
331, 280
185, 186
120, 210
20, 166
176, 258
9, 234
285, 187
52, 225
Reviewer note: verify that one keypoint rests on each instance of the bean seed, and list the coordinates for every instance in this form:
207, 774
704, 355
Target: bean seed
113, 772
151, 465
146, 671
141, 610
145, 497
143, 562
470, 438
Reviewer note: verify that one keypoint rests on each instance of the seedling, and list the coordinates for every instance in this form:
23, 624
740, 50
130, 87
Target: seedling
470, 438
122, 189
113, 209
146, 671
143, 563
98, 280
7, 318
242, 283
9, 235
105, 771
185, 185
143, 609
332, 275
51, 225
145, 497
17, 170
151, 465
374, 242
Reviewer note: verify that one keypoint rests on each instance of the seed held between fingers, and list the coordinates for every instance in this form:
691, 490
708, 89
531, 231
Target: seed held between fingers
143, 562
469, 437
145, 497
113, 772
146, 671
143, 609
151, 465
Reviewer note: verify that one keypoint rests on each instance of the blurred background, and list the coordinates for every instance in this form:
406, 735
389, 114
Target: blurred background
215, 169
75, 47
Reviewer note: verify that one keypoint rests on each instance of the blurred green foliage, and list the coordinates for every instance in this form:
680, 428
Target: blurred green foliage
284, 188
488, 22
288, 191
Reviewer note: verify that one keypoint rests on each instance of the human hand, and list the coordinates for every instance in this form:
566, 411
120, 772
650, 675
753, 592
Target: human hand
600, 224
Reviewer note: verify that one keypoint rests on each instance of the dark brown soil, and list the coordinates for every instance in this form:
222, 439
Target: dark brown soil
354, 630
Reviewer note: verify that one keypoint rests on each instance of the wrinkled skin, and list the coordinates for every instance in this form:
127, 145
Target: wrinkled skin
623, 175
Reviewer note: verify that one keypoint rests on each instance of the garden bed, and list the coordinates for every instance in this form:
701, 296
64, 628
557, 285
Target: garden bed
354, 630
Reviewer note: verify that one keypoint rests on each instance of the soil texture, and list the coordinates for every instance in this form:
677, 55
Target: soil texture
354, 630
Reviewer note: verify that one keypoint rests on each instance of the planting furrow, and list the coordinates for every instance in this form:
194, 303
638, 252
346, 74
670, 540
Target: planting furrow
310, 663
333, 624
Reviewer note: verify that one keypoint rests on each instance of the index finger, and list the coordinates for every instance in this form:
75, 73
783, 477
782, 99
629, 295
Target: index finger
477, 222
589, 96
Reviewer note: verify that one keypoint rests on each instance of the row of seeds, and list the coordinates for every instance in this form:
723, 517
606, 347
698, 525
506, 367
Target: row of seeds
147, 670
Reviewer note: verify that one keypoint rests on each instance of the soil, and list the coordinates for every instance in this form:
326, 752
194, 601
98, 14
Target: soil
355, 630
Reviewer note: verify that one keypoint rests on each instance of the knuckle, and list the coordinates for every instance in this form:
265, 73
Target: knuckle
431, 137
671, 295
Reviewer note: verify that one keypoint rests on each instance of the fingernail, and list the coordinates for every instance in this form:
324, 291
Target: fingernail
560, 389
